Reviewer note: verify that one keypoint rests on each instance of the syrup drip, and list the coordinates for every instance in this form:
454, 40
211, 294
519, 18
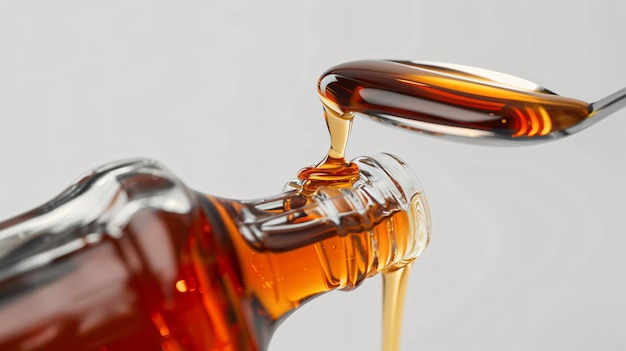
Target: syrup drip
334, 170
394, 291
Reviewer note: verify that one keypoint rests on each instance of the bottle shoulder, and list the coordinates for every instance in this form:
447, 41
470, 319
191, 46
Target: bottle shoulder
98, 205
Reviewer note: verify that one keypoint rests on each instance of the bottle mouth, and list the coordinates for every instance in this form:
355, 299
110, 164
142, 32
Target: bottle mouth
387, 177
392, 173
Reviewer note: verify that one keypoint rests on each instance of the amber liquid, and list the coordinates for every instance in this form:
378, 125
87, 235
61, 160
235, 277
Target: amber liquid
154, 288
462, 98
394, 290
192, 282
188, 282
336, 171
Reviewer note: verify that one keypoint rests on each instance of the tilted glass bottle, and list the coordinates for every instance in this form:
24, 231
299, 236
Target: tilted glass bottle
129, 258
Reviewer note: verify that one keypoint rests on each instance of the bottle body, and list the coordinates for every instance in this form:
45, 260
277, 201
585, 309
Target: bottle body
129, 258
131, 275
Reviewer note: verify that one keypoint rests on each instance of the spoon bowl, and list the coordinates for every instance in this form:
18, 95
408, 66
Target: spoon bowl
466, 103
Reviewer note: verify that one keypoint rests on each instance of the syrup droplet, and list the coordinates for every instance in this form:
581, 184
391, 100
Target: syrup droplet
334, 170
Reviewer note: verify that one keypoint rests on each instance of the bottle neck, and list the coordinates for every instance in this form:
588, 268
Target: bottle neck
300, 247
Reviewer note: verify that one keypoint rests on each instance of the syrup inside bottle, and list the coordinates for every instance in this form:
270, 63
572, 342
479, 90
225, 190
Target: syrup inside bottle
187, 280
206, 274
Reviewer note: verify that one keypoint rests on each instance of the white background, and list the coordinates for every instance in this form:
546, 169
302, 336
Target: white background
528, 244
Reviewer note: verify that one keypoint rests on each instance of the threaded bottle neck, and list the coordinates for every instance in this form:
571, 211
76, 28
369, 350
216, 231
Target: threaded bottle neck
388, 179
336, 237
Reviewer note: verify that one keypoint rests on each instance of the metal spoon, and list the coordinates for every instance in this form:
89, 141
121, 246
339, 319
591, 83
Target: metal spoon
472, 104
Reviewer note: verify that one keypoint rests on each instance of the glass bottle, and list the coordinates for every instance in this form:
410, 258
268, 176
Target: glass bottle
129, 258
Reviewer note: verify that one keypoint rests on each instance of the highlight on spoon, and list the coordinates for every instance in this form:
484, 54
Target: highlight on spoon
469, 103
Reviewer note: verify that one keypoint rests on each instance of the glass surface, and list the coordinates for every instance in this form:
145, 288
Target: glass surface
527, 248
134, 259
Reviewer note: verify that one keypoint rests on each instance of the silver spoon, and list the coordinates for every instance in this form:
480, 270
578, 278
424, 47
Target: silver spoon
472, 104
